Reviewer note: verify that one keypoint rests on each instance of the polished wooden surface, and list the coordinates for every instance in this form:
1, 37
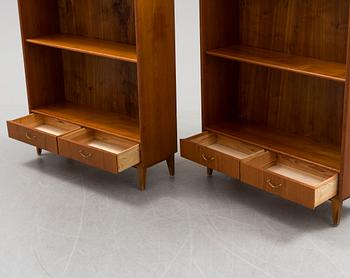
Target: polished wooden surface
296, 146
155, 29
108, 49
85, 116
337, 209
103, 84
279, 60
111, 20
344, 183
300, 105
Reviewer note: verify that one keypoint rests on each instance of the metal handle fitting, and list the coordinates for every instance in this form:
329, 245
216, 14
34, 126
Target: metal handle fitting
85, 155
30, 137
208, 159
270, 183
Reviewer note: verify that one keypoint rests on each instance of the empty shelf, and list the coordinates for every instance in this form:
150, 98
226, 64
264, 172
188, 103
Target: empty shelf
278, 60
109, 49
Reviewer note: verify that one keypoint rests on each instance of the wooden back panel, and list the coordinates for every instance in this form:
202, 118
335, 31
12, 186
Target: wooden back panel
101, 83
44, 81
290, 102
155, 27
112, 20
219, 27
317, 28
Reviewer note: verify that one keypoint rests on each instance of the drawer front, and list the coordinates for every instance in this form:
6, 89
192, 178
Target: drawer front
286, 188
90, 156
289, 190
210, 158
33, 137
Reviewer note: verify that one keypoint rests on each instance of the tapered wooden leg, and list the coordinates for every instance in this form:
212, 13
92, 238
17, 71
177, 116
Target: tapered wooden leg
337, 207
210, 172
39, 151
142, 177
171, 165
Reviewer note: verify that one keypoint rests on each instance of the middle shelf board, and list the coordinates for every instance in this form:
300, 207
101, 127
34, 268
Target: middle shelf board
84, 116
278, 60
102, 48
274, 140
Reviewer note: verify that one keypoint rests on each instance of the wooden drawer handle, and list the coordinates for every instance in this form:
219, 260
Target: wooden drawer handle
273, 186
30, 137
208, 159
85, 155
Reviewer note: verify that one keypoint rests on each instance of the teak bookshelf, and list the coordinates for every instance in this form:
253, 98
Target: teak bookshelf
275, 97
100, 81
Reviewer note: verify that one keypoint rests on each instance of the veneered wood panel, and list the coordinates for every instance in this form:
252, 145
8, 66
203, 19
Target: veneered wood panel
105, 84
278, 60
219, 27
157, 79
316, 28
301, 105
112, 20
44, 81
344, 180
108, 49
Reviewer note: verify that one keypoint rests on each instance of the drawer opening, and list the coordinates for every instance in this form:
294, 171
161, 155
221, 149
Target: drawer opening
46, 124
228, 146
296, 180
101, 141
297, 170
105, 151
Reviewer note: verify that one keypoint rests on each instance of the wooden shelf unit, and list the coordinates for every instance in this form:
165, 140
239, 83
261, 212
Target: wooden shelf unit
275, 75
93, 64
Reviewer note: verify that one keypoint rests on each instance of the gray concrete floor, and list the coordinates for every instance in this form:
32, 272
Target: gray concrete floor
59, 218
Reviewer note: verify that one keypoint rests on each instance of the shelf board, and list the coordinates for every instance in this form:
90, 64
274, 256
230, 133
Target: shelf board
278, 60
108, 122
296, 146
108, 49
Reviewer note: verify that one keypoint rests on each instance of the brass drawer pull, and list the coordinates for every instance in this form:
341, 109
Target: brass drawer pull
273, 186
85, 155
30, 137
208, 159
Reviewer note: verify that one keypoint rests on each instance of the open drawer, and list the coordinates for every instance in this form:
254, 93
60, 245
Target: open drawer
218, 152
100, 150
40, 131
292, 179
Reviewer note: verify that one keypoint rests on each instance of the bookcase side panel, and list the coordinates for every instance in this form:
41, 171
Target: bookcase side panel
344, 181
155, 29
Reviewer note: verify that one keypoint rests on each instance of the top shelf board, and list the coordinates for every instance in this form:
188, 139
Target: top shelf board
108, 49
278, 60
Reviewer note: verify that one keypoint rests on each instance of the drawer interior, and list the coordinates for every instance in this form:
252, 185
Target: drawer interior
226, 145
101, 141
46, 124
293, 169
